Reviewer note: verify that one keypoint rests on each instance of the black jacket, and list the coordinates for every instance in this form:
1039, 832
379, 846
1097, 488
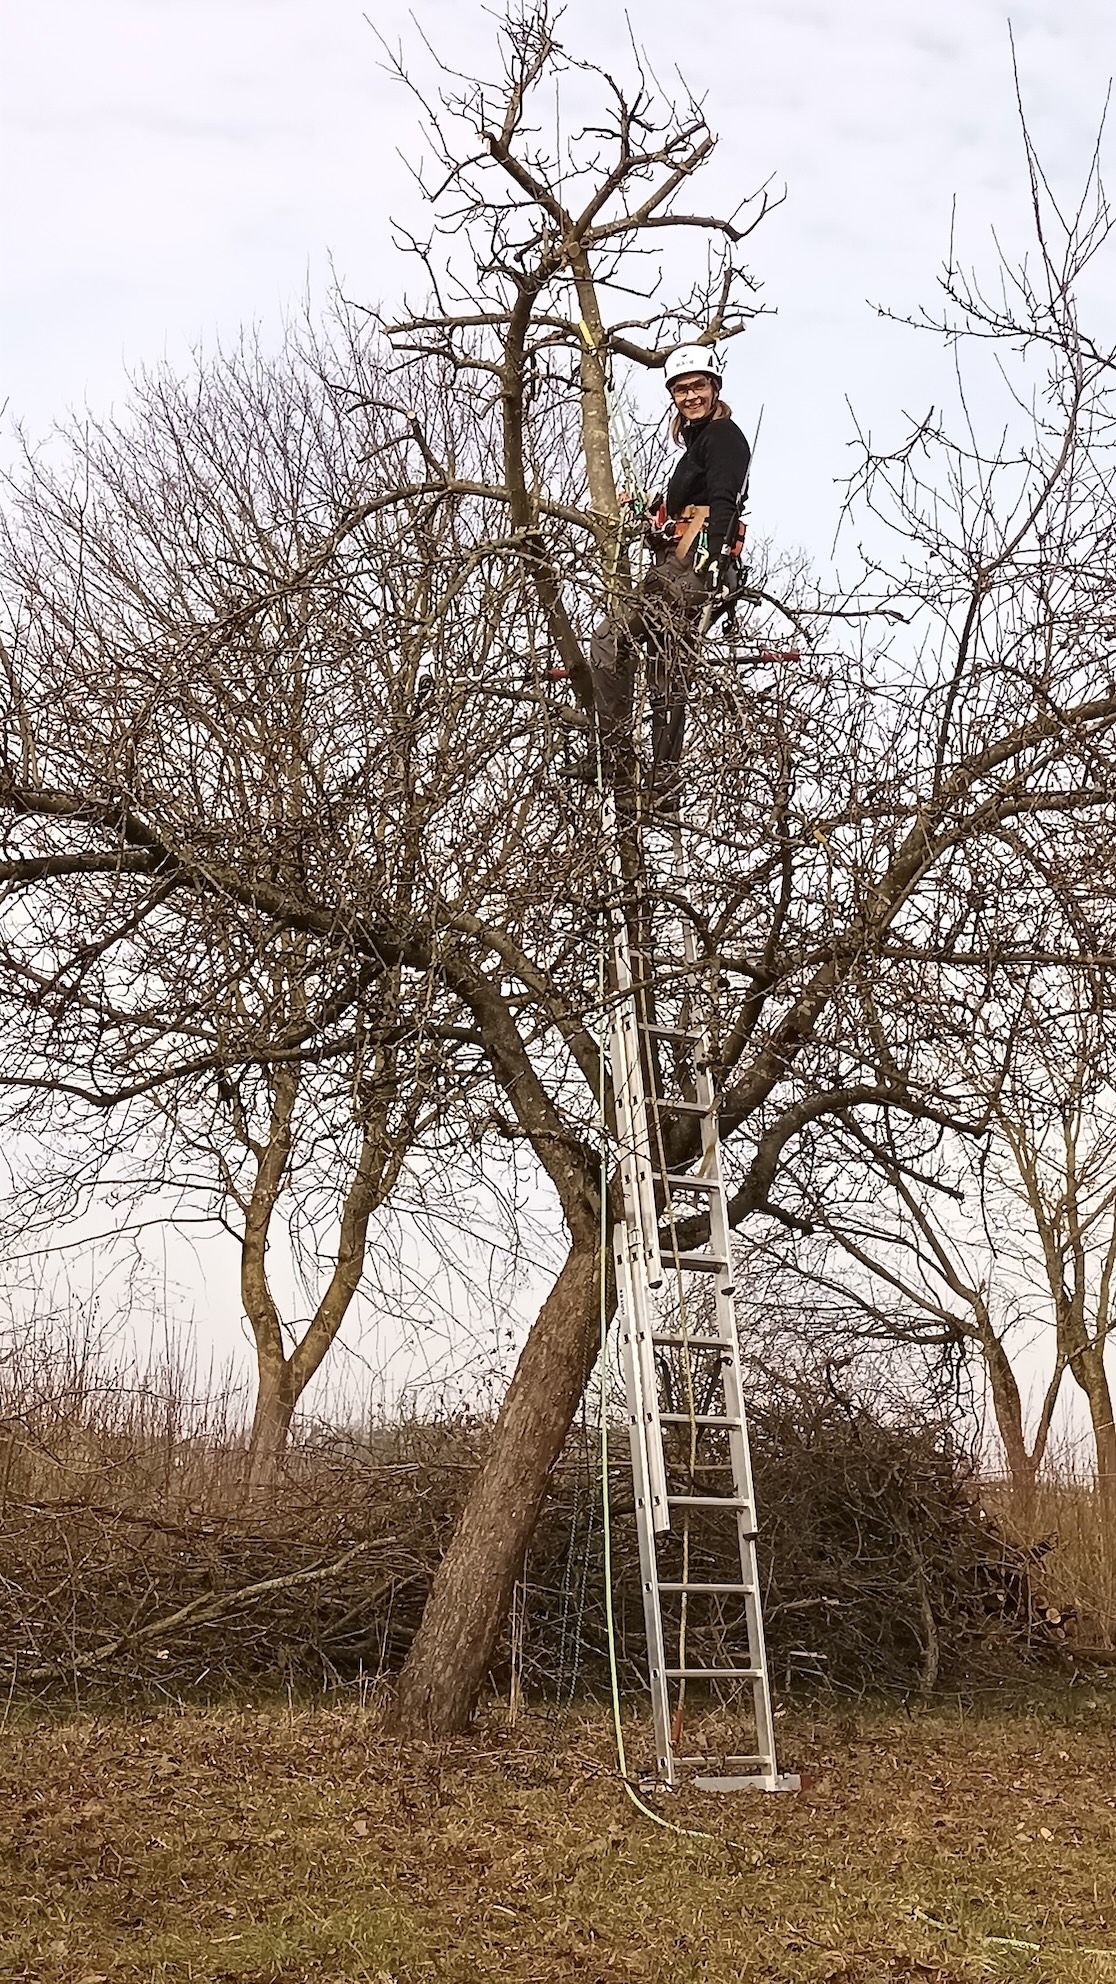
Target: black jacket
713, 470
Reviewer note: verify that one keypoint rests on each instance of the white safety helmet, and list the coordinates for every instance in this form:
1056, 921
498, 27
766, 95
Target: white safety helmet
688, 358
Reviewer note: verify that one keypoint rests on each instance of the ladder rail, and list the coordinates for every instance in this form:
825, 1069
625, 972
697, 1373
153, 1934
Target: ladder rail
732, 1382
651, 1190
636, 1343
641, 1434
627, 1075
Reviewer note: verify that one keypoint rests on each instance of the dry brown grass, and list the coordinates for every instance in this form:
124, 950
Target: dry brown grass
262, 1846
1078, 1568
250, 1846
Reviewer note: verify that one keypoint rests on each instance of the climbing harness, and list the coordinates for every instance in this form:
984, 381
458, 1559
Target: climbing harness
691, 528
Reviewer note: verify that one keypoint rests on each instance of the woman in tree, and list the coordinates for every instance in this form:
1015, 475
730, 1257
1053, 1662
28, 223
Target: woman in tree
693, 561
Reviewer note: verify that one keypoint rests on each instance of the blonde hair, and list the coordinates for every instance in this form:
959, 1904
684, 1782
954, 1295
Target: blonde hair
721, 411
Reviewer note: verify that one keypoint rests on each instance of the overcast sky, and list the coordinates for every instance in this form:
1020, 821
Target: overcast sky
173, 169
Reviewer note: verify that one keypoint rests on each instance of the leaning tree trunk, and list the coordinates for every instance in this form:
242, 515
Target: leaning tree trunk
469, 1598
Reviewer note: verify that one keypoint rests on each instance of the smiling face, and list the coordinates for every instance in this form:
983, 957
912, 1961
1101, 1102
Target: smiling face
694, 394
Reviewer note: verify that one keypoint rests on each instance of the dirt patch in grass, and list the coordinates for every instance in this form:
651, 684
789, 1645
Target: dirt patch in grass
258, 1846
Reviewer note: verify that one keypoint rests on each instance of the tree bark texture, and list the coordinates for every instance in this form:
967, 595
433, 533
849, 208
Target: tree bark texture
276, 1398
1088, 1367
282, 1379
453, 1647
1023, 1462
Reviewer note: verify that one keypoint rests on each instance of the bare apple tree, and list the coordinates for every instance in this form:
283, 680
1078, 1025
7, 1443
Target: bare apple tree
876, 829
873, 815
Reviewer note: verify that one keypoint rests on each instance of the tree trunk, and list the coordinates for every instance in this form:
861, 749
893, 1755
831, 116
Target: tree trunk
276, 1398
468, 1601
1088, 1368
282, 1380
1022, 1465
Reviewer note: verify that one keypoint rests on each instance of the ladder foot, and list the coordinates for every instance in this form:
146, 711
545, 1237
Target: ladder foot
760, 1781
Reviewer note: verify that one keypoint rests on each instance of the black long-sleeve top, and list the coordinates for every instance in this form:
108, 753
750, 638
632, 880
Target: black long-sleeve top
713, 470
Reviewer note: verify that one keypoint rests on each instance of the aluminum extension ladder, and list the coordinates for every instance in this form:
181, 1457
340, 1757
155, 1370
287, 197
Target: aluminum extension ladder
691, 1467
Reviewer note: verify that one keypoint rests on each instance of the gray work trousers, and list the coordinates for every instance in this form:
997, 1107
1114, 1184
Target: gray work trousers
663, 621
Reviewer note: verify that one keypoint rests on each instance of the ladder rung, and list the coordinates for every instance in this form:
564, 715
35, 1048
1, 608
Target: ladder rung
713, 1673
697, 1263
756, 1761
692, 1342
723, 1590
676, 966
686, 1181
688, 1035
766, 1778
680, 1107
707, 1502
701, 1419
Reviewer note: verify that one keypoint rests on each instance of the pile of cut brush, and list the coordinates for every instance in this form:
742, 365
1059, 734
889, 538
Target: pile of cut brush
881, 1567
143, 1567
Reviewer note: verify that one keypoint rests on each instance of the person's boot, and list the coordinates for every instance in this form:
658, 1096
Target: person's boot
585, 769
666, 793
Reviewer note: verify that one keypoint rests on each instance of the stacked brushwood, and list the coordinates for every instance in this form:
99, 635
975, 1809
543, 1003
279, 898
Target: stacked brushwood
881, 1568
147, 1568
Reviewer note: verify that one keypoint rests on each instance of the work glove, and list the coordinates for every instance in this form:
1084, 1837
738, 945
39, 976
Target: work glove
716, 576
658, 528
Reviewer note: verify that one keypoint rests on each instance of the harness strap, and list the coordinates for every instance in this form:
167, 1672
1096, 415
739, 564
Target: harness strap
693, 521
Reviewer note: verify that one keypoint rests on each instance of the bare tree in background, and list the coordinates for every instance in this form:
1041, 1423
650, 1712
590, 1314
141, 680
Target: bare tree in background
1008, 1244
1062, 1146
220, 673
1006, 986
918, 1251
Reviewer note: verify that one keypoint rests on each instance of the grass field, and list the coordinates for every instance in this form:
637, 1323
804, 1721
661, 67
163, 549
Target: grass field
282, 1844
